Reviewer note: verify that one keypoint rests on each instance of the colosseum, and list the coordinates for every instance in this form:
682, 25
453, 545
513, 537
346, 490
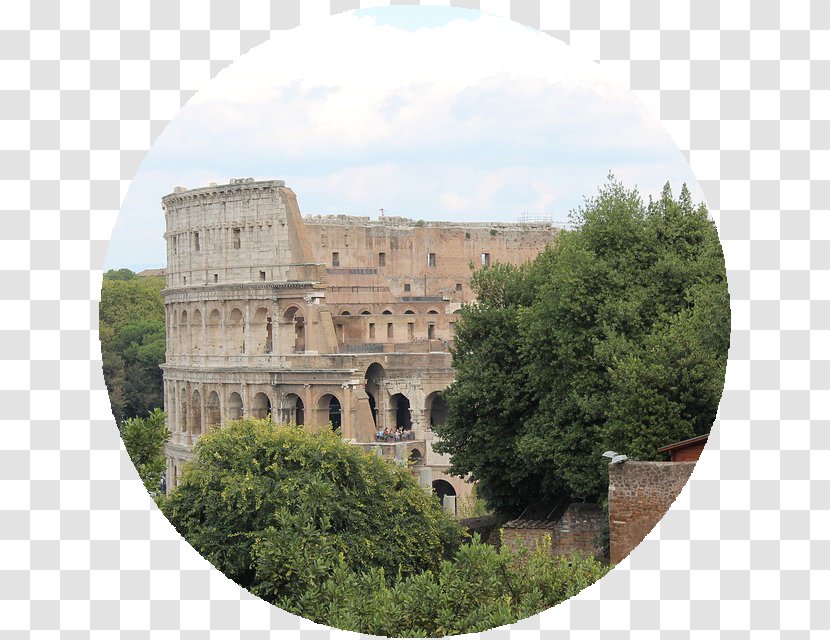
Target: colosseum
324, 321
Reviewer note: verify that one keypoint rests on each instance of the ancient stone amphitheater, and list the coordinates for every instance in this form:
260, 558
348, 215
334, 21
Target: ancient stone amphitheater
334, 320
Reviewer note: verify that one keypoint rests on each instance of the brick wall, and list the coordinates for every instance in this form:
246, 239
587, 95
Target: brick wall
576, 531
639, 494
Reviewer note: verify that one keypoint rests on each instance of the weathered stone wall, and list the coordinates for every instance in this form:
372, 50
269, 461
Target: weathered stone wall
578, 530
269, 314
639, 494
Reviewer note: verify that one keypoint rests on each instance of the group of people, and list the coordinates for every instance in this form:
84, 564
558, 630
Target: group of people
386, 434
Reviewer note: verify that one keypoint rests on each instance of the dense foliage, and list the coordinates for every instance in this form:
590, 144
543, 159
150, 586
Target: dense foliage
616, 338
144, 440
131, 328
481, 588
345, 538
275, 507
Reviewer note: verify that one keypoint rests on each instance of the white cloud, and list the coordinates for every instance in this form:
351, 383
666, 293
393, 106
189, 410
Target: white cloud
474, 119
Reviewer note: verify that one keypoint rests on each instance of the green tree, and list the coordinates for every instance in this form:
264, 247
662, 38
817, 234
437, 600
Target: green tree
120, 274
491, 399
618, 341
276, 508
132, 333
144, 440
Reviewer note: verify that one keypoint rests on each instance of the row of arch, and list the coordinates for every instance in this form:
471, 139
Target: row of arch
293, 410
229, 334
387, 312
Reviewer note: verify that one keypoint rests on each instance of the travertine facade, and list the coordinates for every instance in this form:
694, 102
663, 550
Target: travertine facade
331, 319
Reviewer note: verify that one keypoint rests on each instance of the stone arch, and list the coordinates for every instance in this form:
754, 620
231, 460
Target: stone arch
214, 332
261, 332
409, 312
235, 408
374, 374
213, 411
436, 409
261, 407
295, 315
196, 413
345, 313
442, 488
184, 333
293, 409
330, 411
236, 331
365, 312
416, 457
432, 312
387, 312
402, 415
196, 331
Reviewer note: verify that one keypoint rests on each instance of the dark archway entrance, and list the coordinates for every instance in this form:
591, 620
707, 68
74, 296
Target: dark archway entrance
437, 409
403, 416
442, 488
329, 410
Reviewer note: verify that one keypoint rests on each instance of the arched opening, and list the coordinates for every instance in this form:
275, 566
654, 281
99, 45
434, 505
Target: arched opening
374, 375
214, 332
196, 413
184, 333
409, 312
196, 331
293, 409
235, 409
403, 416
415, 457
442, 488
262, 406
236, 332
213, 414
261, 332
437, 409
432, 312
345, 313
330, 409
365, 313
293, 314
387, 312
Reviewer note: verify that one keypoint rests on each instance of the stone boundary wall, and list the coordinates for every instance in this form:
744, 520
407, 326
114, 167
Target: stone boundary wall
639, 494
578, 530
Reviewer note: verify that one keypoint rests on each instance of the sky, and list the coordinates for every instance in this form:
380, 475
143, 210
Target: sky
431, 113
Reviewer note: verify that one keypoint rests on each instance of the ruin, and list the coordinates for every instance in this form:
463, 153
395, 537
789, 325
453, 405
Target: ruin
325, 320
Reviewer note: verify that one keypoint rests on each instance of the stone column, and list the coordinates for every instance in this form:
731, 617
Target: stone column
309, 409
246, 401
347, 429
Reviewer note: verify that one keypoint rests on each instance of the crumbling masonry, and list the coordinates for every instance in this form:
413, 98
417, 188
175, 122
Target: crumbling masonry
328, 320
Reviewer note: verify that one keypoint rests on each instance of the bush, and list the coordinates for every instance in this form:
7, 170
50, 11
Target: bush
480, 589
279, 509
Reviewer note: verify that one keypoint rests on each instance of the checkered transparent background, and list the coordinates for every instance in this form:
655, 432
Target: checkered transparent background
744, 90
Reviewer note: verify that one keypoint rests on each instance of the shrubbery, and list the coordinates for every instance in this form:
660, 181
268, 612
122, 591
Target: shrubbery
276, 507
345, 538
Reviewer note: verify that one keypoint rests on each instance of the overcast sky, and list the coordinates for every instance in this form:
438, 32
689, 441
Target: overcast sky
427, 112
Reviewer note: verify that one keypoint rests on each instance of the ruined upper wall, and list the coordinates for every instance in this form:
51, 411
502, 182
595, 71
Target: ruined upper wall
244, 231
416, 259
248, 231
